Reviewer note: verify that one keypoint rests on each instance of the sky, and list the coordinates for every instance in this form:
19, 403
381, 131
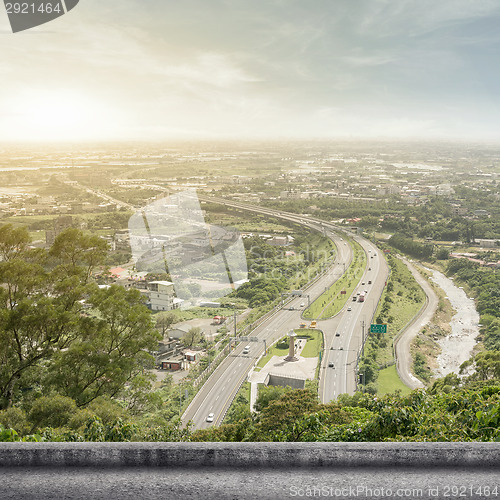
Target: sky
260, 69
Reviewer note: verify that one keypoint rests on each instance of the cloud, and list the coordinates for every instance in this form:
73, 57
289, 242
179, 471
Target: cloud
269, 66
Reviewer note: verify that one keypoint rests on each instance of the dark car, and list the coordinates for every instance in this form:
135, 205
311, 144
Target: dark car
330, 364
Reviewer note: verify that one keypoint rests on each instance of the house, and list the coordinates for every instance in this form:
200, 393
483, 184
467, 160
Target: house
174, 363
190, 355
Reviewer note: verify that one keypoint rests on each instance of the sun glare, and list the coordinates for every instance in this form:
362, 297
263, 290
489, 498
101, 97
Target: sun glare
56, 116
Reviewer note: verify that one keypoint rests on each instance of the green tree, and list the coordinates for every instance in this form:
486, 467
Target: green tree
51, 411
40, 304
48, 334
111, 348
192, 337
164, 321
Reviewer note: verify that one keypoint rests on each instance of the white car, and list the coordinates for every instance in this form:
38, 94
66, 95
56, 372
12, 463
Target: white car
210, 417
349, 309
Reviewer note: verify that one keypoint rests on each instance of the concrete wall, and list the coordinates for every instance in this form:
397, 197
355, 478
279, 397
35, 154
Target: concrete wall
241, 455
294, 383
263, 471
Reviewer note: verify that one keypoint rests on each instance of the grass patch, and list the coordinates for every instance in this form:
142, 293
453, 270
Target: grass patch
388, 382
314, 342
401, 300
276, 350
330, 302
240, 404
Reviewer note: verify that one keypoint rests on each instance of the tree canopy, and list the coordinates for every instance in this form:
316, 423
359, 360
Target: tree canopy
58, 330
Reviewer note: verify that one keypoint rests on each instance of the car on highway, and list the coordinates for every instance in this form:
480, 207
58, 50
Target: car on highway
302, 304
349, 308
362, 282
246, 350
337, 334
302, 325
369, 282
354, 299
210, 417
313, 324
292, 308
331, 365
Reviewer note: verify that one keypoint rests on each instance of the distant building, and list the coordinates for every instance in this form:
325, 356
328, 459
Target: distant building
458, 210
59, 225
290, 195
488, 243
481, 213
278, 241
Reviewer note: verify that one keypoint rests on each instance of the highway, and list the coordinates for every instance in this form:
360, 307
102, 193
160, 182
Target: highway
218, 392
351, 325
344, 333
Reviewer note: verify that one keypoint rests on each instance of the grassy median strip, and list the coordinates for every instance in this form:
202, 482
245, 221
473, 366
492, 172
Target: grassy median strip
332, 300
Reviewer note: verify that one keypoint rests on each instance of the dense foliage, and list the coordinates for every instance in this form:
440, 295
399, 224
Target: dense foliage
407, 245
60, 333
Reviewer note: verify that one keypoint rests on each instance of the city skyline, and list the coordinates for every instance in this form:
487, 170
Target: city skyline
155, 70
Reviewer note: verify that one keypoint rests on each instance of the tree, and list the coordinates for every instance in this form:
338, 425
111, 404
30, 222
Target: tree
280, 415
39, 306
48, 338
164, 321
192, 337
267, 394
51, 411
110, 350
443, 254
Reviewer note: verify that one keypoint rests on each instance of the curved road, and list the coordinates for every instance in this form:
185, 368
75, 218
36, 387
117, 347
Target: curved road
402, 345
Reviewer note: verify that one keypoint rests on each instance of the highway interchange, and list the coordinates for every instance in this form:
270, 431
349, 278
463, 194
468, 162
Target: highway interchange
219, 391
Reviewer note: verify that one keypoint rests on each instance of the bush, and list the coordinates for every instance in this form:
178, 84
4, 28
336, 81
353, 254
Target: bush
52, 411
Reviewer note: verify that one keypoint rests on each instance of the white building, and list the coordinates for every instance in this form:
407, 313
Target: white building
161, 295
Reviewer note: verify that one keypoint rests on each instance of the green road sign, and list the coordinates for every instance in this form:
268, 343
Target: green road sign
378, 328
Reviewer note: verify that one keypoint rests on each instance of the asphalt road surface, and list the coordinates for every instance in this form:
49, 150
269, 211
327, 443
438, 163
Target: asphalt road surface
141, 483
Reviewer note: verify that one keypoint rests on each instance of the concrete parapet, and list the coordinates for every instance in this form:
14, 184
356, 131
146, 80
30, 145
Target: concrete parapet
257, 455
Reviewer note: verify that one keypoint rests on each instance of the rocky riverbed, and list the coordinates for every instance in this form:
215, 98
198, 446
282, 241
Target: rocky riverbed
458, 346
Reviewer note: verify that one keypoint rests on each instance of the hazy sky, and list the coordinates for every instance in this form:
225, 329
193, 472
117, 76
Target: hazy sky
154, 69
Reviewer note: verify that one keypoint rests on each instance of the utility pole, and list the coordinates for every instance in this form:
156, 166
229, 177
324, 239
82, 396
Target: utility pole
180, 401
363, 338
234, 311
